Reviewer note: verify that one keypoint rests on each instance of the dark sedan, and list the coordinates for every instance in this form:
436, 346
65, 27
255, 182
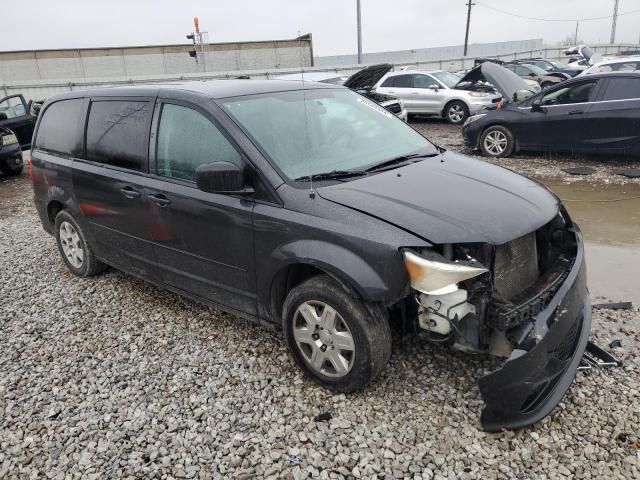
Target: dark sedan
552, 67
599, 114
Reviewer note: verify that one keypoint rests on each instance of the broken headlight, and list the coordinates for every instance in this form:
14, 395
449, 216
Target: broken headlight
437, 276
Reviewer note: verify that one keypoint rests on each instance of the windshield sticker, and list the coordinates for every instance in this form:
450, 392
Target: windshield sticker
376, 107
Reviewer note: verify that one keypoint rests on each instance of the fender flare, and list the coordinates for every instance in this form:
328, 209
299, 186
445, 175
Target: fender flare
344, 265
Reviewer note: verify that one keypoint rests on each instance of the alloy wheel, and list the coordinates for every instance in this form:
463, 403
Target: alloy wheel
324, 339
495, 142
71, 244
456, 113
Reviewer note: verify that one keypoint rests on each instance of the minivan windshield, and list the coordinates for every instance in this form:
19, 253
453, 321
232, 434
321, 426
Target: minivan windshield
319, 131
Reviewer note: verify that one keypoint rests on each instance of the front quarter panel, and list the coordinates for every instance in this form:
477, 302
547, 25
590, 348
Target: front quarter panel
360, 251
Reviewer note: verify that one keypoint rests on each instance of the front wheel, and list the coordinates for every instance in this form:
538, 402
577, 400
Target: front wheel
456, 113
497, 141
333, 337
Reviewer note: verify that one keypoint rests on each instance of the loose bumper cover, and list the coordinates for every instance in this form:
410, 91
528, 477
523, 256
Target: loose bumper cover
532, 382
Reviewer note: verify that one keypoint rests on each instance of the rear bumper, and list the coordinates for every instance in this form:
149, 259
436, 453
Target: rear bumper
532, 383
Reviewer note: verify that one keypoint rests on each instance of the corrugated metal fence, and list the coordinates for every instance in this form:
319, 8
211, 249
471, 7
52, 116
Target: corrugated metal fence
41, 89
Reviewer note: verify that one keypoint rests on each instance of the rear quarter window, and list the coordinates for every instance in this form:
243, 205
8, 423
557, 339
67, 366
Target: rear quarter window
60, 129
118, 133
622, 89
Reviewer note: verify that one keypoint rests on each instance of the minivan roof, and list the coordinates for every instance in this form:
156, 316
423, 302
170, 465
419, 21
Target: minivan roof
217, 89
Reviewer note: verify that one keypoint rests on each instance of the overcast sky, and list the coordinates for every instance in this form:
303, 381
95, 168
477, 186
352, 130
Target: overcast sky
387, 24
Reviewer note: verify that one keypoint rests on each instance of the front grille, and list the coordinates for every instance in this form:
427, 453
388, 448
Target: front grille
394, 108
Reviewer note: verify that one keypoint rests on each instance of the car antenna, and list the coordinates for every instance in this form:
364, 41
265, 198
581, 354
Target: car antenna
312, 193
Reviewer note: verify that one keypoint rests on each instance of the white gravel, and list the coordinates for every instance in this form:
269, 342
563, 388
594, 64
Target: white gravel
111, 377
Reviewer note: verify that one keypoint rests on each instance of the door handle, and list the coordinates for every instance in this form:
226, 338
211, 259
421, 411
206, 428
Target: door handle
130, 192
577, 112
160, 200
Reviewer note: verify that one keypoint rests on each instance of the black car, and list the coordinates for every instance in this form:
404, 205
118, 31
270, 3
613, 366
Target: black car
10, 153
15, 115
315, 210
552, 67
596, 114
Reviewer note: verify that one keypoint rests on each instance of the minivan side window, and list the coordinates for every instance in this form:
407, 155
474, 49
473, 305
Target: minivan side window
188, 139
623, 89
117, 133
60, 128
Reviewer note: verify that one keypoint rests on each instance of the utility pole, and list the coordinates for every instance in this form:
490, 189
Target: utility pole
575, 39
614, 21
466, 35
359, 33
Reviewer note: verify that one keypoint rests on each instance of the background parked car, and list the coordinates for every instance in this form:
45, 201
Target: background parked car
552, 67
10, 153
535, 73
594, 114
332, 78
582, 57
629, 64
14, 115
364, 82
438, 93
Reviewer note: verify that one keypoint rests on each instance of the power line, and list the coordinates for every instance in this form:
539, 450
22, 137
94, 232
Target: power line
540, 19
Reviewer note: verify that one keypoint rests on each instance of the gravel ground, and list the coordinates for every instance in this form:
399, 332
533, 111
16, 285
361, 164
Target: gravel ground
530, 164
112, 377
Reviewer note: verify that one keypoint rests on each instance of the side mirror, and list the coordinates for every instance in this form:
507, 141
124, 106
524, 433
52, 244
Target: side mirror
221, 177
536, 106
531, 74
435, 88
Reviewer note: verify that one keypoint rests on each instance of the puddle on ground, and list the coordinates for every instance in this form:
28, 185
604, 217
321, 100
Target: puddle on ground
609, 217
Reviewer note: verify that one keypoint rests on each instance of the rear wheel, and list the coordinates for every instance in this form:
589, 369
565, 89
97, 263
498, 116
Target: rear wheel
333, 337
72, 243
12, 166
497, 141
456, 112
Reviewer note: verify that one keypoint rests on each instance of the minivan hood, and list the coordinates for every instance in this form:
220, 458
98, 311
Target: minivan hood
505, 81
366, 78
451, 199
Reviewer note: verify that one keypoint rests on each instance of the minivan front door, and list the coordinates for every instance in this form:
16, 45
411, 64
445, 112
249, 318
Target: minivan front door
110, 184
204, 241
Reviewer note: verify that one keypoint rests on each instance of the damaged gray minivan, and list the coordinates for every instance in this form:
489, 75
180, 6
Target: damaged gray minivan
308, 206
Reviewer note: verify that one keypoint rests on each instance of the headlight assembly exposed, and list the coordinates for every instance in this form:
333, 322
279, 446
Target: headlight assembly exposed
435, 277
478, 94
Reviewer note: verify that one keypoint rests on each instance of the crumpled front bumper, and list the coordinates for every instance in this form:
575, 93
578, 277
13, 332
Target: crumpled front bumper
531, 383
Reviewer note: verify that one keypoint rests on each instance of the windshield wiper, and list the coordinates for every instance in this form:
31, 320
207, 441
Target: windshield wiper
332, 175
401, 159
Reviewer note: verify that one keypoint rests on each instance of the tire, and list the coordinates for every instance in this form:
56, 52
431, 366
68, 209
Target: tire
456, 112
497, 141
74, 248
10, 168
363, 357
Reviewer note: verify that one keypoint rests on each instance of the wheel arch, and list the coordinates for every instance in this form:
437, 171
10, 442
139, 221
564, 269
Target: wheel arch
443, 113
306, 259
516, 146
